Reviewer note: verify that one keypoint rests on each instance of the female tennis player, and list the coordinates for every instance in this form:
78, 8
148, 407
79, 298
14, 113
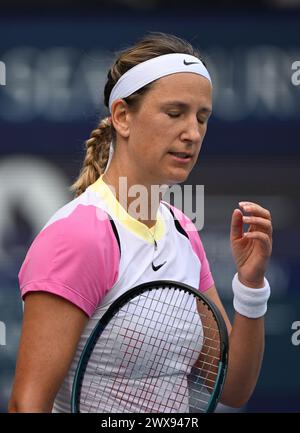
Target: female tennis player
159, 94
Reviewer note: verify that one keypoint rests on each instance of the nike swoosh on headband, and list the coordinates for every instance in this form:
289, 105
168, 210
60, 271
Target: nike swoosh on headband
191, 63
156, 268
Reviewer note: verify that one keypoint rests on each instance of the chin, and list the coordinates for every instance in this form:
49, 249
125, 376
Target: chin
177, 178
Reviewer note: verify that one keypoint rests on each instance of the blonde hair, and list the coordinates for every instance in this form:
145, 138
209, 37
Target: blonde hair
97, 146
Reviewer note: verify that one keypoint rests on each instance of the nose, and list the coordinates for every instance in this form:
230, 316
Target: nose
192, 131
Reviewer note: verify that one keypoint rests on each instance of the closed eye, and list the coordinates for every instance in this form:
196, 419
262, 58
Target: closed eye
200, 120
173, 114
203, 119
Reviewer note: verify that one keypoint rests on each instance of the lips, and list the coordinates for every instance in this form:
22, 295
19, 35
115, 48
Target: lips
182, 155
181, 158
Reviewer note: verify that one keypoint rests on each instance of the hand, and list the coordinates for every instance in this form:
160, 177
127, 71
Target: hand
251, 250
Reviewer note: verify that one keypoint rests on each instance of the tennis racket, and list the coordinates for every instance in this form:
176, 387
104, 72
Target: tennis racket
160, 347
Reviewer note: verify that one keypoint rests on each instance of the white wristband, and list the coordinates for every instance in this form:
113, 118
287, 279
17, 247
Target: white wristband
250, 302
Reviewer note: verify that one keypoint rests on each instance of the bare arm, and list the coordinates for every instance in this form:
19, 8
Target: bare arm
50, 333
251, 251
246, 347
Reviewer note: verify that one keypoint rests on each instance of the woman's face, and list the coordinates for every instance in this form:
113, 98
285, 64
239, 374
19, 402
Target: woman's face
167, 130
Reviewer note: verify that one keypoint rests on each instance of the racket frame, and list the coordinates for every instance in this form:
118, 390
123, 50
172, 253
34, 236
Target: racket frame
119, 303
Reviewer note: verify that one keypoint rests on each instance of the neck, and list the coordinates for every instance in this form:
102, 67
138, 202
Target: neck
140, 200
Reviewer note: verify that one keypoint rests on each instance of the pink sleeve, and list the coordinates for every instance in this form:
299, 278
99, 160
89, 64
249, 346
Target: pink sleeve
75, 257
206, 279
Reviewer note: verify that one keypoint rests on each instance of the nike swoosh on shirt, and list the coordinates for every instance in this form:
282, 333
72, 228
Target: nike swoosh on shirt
156, 268
191, 63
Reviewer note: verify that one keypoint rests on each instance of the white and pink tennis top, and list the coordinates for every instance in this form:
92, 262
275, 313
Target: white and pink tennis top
91, 251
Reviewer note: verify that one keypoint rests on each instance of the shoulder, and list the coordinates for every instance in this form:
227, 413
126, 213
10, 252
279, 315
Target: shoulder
76, 256
188, 228
82, 220
183, 219
191, 232
77, 231
83, 225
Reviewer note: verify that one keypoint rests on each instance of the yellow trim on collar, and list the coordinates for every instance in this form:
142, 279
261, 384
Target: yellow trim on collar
118, 212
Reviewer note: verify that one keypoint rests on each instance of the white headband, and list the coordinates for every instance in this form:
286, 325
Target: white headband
153, 69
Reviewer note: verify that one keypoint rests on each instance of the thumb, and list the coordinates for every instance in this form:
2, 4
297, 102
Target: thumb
236, 231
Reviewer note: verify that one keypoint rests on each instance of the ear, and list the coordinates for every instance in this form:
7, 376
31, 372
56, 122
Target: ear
120, 117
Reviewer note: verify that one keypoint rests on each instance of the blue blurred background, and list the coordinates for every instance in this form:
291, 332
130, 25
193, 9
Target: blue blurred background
56, 57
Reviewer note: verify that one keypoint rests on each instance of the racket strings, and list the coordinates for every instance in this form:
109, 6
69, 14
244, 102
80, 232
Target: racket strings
172, 315
147, 352
172, 401
155, 371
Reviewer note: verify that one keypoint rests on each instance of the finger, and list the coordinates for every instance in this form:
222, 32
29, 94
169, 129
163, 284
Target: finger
255, 209
263, 237
263, 223
236, 230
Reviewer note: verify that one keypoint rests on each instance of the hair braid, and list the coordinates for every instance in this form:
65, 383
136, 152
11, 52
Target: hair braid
97, 153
